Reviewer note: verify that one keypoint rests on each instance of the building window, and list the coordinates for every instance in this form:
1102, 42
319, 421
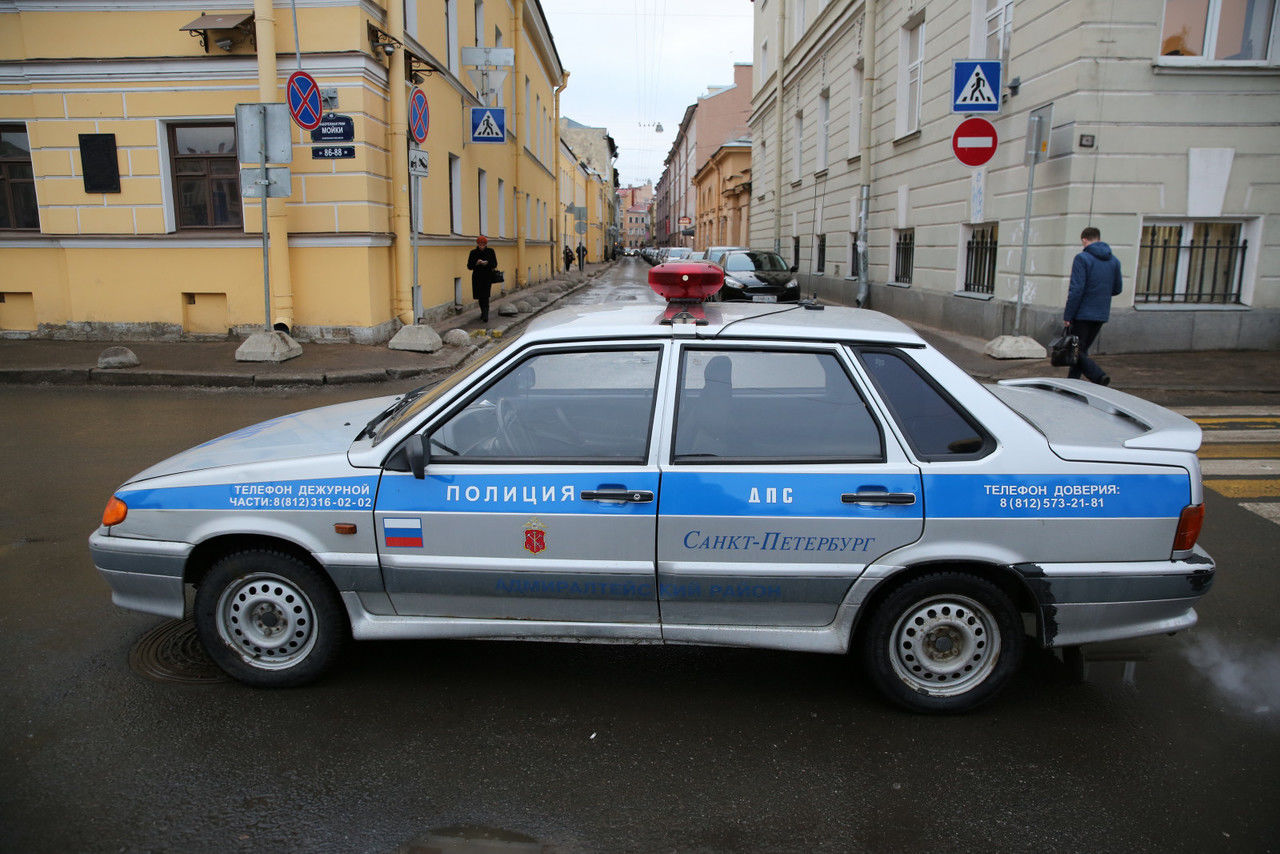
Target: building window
797, 140
855, 270
482, 188
795, 251
455, 194
980, 259
855, 113
997, 17
1218, 30
451, 33
910, 78
824, 128
904, 255
764, 60
18, 207
500, 93
1191, 262
206, 176
821, 264
502, 208
479, 23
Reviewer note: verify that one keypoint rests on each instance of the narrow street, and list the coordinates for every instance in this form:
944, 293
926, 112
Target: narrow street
114, 738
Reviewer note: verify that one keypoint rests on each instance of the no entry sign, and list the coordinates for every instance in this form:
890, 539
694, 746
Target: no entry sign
974, 142
304, 100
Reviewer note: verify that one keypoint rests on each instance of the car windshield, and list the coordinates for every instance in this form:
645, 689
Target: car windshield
742, 262
408, 408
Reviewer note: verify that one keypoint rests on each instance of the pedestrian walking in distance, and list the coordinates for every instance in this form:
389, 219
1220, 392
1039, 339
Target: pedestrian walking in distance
582, 256
482, 262
568, 258
1095, 279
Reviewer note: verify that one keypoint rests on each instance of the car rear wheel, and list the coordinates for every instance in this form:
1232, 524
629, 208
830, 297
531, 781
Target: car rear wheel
268, 619
944, 642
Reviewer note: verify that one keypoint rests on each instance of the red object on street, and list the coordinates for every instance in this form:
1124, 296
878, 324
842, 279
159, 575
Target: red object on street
975, 141
685, 285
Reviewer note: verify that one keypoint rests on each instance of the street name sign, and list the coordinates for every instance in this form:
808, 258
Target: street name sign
975, 85
334, 128
974, 142
488, 124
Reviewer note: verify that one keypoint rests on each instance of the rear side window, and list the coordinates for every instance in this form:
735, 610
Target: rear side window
936, 428
771, 406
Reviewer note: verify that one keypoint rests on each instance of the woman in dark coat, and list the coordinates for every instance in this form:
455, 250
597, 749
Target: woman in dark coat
482, 262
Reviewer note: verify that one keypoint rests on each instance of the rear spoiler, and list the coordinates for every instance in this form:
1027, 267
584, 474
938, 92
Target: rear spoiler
1163, 429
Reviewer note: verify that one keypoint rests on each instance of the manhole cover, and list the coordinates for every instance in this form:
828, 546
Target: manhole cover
171, 652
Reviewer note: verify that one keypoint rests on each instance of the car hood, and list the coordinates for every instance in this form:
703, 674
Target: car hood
770, 278
312, 432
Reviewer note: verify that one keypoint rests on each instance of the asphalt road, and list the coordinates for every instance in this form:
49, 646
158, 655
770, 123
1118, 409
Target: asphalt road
1157, 745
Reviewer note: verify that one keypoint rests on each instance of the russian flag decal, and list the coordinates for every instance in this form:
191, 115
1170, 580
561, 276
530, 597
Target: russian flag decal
403, 533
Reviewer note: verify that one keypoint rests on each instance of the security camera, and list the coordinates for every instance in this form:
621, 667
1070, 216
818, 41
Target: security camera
389, 49
225, 44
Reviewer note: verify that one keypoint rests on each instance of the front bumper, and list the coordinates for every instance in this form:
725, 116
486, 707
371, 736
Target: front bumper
1091, 603
144, 575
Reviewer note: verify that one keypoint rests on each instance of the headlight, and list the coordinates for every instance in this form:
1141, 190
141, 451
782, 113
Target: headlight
732, 282
793, 284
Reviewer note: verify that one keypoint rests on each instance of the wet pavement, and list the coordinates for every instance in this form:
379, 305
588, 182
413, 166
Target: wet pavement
1163, 744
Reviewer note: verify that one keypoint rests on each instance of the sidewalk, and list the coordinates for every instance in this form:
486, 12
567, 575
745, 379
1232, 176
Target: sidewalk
213, 363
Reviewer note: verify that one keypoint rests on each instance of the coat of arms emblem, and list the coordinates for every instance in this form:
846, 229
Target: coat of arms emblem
535, 536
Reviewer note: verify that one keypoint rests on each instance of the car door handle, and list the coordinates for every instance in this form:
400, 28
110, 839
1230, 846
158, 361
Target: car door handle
632, 496
878, 498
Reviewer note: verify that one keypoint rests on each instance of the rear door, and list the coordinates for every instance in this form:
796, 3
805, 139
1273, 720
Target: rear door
779, 486
540, 496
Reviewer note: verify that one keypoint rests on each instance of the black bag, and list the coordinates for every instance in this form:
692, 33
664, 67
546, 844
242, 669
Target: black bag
1064, 351
497, 276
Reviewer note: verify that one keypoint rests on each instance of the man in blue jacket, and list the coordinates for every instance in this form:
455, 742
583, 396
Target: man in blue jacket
1095, 279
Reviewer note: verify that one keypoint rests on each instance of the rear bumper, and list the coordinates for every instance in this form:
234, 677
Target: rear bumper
144, 575
1090, 603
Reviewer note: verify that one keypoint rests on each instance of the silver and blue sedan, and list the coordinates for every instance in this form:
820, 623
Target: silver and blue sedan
788, 477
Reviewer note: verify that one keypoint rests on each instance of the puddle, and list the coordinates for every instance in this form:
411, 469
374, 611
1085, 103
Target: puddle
473, 839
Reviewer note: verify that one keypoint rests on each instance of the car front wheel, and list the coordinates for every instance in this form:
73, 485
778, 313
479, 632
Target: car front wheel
268, 619
944, 642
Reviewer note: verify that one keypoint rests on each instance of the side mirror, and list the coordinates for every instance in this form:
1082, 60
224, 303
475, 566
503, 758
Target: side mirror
416, 450
795, 268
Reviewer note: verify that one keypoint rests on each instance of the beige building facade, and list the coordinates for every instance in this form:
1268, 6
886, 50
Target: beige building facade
723, 190
1163, 130
122, 192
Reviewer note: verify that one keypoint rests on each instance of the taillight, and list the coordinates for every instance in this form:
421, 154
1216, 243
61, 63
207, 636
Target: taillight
115, 512
1189, 524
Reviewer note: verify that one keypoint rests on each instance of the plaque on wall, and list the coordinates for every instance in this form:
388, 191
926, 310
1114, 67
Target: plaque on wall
98, 163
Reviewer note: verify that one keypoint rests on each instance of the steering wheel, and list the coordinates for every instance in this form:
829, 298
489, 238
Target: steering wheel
517, 439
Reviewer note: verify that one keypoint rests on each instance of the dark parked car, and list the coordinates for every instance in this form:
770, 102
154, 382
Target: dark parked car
757, 277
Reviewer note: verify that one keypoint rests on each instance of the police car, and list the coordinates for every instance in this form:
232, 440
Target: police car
792, 477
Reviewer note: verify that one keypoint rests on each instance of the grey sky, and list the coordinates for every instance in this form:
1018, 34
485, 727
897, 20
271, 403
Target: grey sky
634, 63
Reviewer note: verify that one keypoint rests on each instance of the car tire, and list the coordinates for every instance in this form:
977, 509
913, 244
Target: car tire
269, 619
943, 643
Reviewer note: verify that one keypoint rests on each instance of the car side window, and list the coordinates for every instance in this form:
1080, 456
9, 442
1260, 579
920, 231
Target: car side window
935, 426
771, 405
579, 406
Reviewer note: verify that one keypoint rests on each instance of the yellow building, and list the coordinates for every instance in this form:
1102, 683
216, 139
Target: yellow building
585, 212
722, 188
120, 201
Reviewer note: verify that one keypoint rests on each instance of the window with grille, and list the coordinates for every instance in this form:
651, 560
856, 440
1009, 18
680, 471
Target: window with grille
904, 256
821, 265
206, 176
980, 259
1191, 262
18, 208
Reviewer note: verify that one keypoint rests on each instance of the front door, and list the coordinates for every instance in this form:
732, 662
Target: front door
540, 496
779, 486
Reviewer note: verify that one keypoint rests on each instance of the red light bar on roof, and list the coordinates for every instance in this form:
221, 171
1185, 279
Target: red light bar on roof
686, 285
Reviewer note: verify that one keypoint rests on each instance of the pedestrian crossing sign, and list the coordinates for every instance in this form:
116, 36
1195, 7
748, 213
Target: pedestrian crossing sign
488, 124
975, 85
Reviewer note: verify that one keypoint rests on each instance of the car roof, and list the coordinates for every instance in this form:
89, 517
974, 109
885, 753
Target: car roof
725, 320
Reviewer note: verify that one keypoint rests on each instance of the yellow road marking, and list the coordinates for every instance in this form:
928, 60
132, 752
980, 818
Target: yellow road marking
1249, 450
1266, 487
1239, 422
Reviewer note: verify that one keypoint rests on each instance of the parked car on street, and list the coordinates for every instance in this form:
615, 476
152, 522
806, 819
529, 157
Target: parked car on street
789, 477
757, 276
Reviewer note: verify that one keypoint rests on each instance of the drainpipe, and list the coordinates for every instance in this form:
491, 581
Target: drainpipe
777, 112
560, 219
398, 148
864, 134
522, 115
277, 224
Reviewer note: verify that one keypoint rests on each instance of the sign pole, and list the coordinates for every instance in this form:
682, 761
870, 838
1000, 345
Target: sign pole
413, 225
1034, 155
266, 261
